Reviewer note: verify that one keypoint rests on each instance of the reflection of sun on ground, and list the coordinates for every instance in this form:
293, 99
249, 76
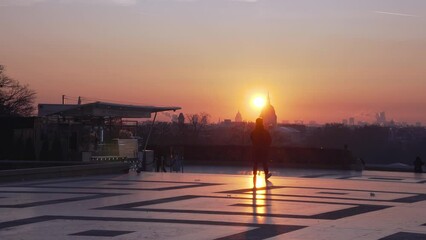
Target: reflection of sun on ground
259, 102
260, 181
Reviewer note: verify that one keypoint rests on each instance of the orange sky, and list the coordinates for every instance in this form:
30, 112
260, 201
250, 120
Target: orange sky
319, 60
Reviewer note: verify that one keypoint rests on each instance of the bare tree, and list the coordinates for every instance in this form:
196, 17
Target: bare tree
205, 119
198, 121
15, 99
193, 120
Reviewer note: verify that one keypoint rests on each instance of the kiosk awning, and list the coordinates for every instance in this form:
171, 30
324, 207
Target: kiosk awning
101, 109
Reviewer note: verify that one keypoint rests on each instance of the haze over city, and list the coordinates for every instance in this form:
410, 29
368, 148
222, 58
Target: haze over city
319, 60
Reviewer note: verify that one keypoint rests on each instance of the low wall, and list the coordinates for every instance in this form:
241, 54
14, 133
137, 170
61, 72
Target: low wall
280, 156
63, 171
24, 164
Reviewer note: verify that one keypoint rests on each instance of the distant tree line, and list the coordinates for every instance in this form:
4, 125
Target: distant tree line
374, 144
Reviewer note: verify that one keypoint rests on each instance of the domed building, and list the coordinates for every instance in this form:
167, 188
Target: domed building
268, 114
238, 117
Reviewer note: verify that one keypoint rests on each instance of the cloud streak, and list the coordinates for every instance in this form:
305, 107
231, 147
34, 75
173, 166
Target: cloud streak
5, 3
396, 14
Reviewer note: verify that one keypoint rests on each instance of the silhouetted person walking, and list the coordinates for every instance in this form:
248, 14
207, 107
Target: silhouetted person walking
418, 163
261, 140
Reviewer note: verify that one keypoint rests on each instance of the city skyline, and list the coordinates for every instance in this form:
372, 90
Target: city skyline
373, 118
320, 61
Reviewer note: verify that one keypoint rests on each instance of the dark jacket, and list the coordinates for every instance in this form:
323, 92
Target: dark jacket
261, 140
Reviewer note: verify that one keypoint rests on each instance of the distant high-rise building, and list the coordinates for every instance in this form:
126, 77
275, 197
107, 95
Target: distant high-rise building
345, 121
268, 114
352, 121
381, 118
238, 117
227, 121
362, 123
181, 118
312, 123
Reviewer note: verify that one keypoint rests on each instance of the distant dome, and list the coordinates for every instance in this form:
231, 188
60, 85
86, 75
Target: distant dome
268, 115
238, 117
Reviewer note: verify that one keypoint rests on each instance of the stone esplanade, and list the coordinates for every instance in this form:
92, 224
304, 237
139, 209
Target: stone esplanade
307, 205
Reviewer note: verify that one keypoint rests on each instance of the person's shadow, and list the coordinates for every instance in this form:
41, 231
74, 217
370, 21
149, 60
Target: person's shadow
268, 186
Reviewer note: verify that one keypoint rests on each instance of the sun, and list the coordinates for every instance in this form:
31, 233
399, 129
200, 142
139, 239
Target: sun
259, 102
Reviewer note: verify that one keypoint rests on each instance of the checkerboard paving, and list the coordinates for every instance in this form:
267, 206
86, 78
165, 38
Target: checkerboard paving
372, 205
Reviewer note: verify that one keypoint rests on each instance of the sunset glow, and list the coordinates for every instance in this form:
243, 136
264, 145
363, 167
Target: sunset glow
259, 102
319, 61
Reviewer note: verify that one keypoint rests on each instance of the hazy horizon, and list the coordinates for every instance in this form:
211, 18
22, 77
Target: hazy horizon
320, 61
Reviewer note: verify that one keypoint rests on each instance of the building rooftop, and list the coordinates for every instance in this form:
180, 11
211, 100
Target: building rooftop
102, 109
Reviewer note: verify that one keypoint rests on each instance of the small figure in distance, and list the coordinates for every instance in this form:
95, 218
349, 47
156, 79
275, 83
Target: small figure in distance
261, 140
418, 163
